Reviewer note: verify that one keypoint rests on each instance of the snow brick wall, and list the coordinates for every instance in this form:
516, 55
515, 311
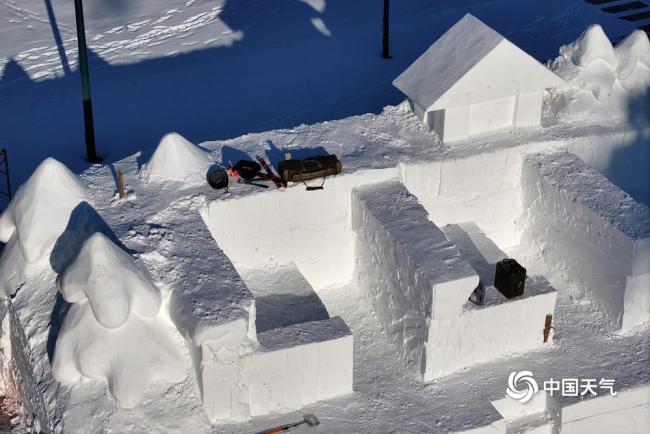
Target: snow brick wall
419, 282
407, 267
590, 230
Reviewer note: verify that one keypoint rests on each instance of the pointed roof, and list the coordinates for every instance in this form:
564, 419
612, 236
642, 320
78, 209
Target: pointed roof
472, 63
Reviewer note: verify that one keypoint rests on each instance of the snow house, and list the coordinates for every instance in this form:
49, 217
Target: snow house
473, 80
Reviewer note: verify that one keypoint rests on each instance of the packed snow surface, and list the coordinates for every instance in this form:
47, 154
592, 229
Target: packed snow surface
176, 158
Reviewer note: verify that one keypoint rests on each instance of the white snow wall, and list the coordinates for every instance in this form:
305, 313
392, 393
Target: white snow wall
622, 157
311, 229
591, 231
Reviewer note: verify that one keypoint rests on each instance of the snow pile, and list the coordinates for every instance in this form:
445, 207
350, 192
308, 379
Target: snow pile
606, 80
41, 208
179, 159
113, 331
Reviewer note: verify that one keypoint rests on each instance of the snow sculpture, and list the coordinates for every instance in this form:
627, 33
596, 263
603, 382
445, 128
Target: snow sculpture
177, 158
35, 219
41, 208
113, 332
612, 76
473, 80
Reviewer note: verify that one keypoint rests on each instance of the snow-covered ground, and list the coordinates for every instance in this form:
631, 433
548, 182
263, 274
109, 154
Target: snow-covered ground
190, 268
215, 69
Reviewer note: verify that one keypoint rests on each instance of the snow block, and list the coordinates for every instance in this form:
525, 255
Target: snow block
311, 230
301, 364
407, 266
178, 159
591, 231
215, 312
496, 329
208, 292
224, 372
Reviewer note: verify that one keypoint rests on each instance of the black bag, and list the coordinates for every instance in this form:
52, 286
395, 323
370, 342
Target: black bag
247, 169
218, 179
509, 278
309, 168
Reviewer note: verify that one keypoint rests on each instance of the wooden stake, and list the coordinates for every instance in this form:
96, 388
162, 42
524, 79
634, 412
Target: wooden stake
547, 326
120, 183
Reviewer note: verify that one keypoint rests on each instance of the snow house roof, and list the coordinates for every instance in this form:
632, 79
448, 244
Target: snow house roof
472, 63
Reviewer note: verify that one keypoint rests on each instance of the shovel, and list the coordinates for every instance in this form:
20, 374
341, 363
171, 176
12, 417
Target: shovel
309, 419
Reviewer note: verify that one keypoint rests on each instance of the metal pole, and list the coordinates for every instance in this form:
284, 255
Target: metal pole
385, 40
91, 153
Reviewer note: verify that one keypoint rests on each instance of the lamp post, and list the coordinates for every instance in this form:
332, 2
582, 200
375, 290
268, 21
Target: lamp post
385, 41
91, 152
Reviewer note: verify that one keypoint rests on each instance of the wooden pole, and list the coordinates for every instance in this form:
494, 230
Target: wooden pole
120, 183
547, 326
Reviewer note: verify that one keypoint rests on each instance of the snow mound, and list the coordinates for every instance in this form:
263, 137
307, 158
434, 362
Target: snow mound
109, 279
631, 51
592, 46
605, 82
128, 358
179, 159
41, 209
115, 330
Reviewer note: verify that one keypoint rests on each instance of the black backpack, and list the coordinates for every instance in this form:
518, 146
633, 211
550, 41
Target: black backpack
247, 169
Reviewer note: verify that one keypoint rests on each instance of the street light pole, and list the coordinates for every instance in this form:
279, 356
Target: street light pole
385, 40
91, 152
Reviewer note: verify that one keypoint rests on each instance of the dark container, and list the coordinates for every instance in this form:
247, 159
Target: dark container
509, 278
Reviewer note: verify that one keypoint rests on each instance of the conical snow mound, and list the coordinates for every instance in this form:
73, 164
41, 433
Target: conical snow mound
631, 51
110, 280
115, 331
178, 159
40, 210
593, 45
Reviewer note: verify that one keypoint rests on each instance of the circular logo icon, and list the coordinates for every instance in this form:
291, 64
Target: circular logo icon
522, 386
